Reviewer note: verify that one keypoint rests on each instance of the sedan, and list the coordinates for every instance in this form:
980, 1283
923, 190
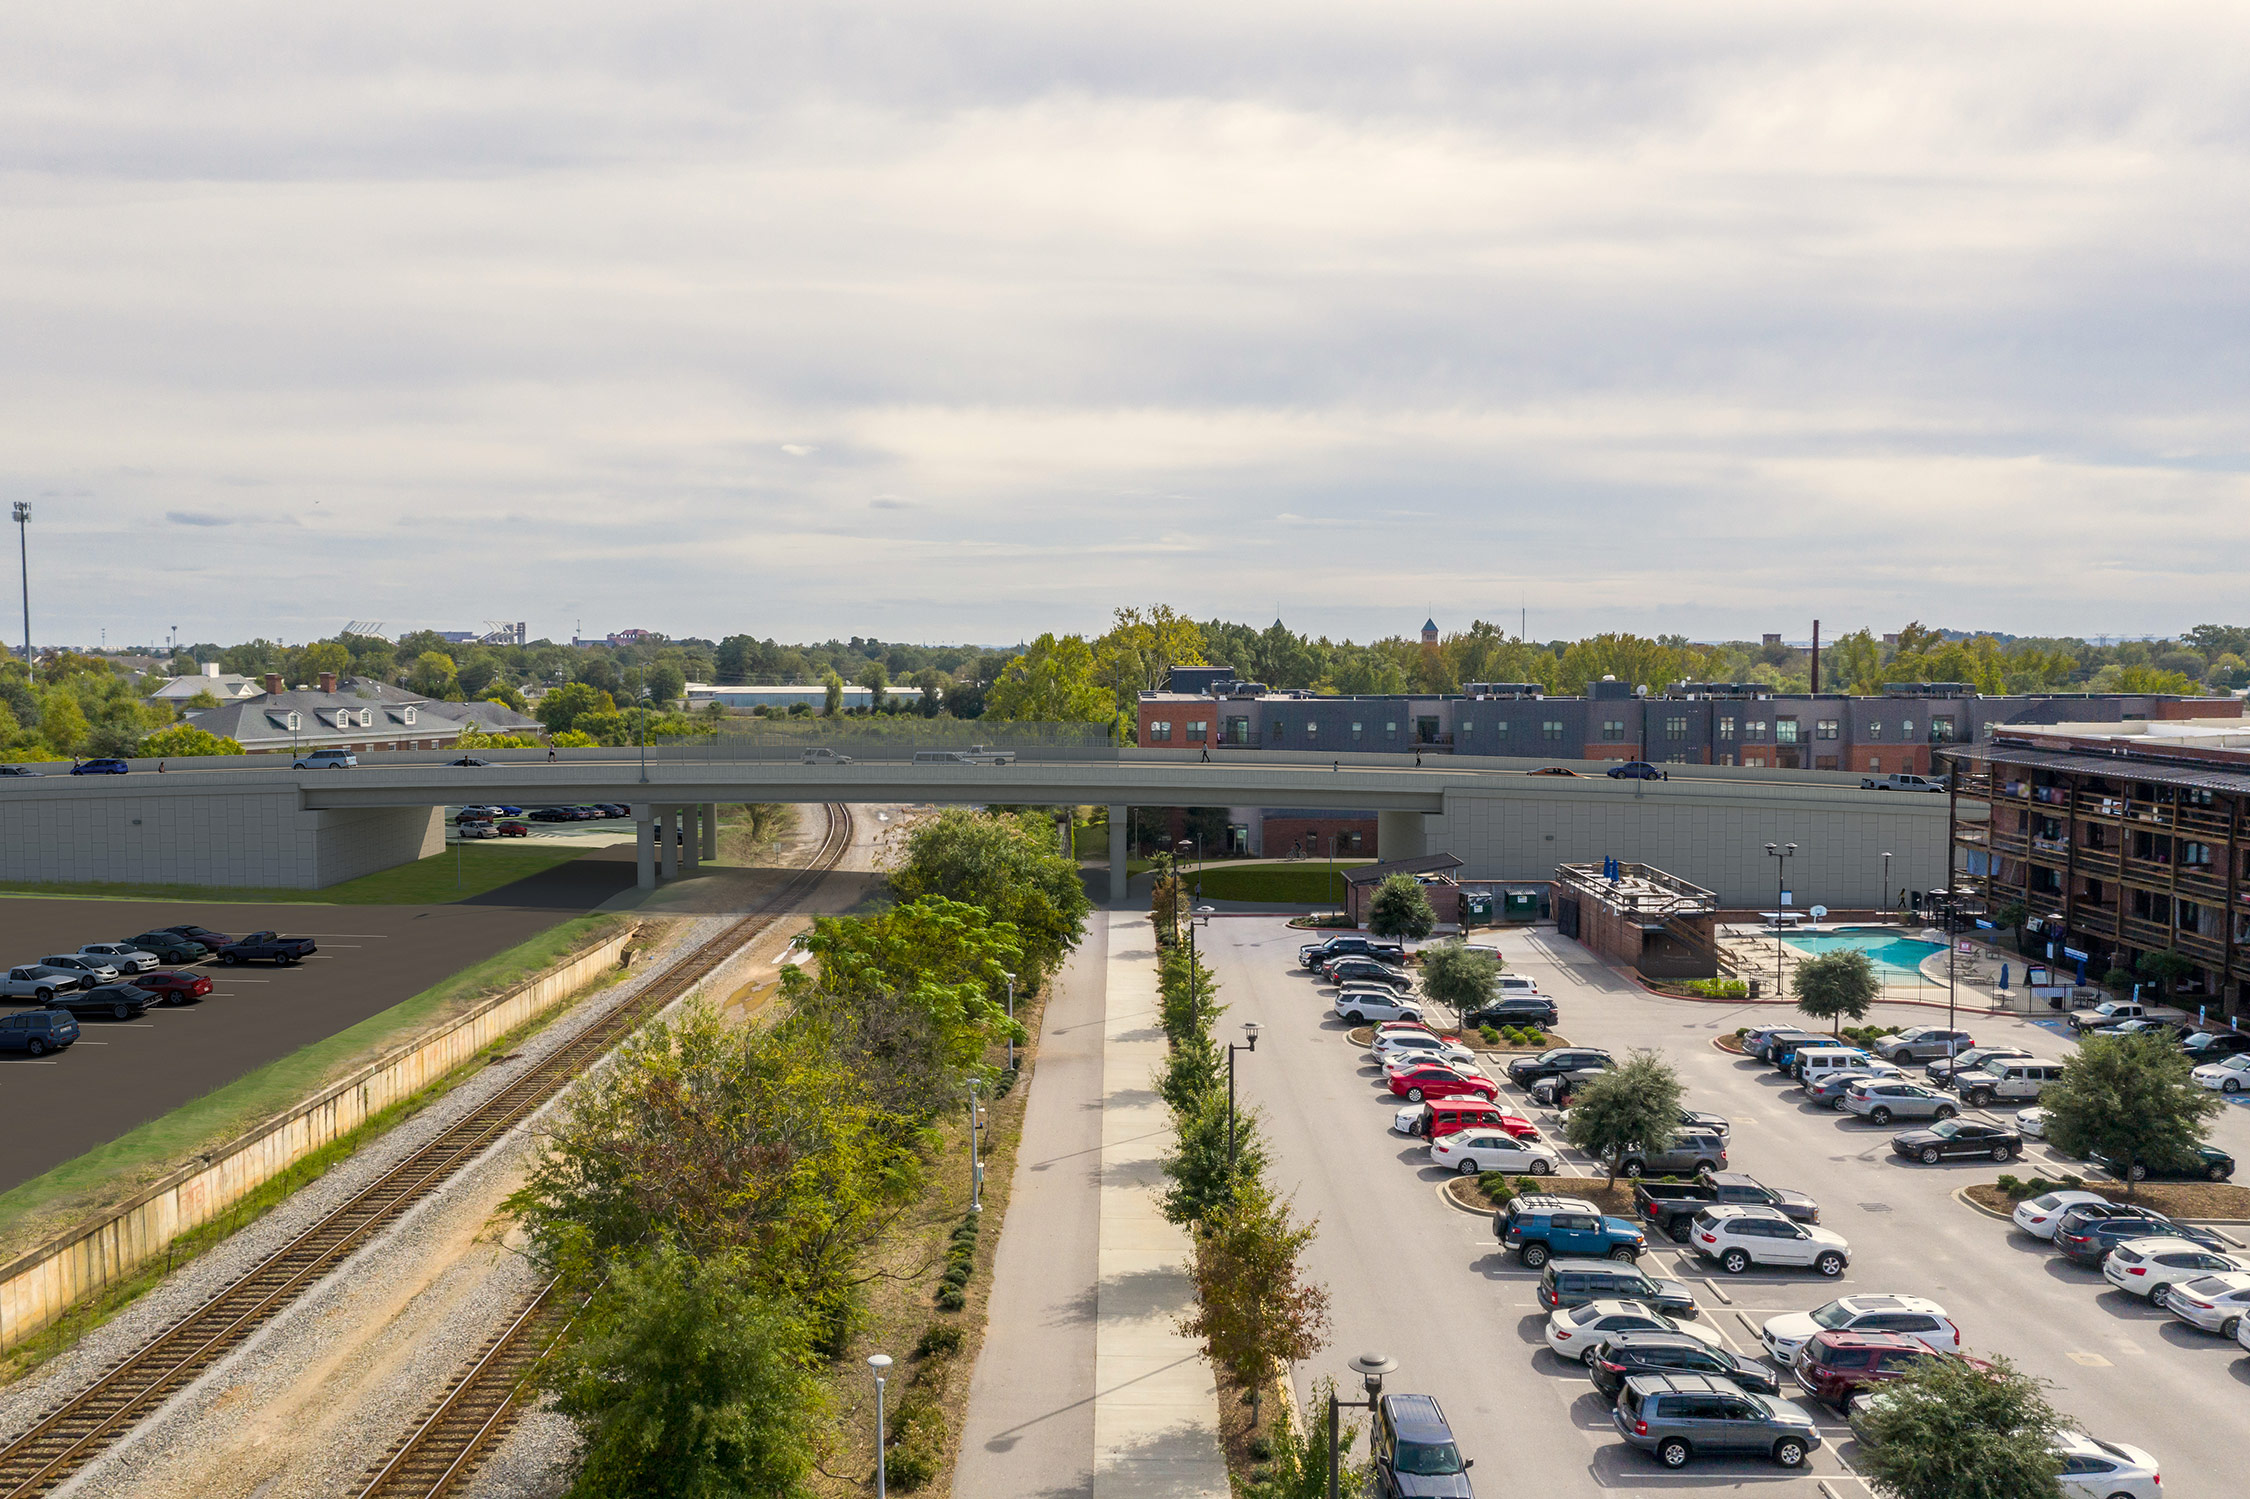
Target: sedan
118, 1001
122, 956
17, 770
101, 970
2229, 1076
2149, 1268
2210, 1046
2094, 1469
468, 760
1434, 1081
1577, 1331
512, 829
1410, 1046
476, 830
1955, 1138
1884, 1099
2214, 1303
1924, 1043
1470, 1151
2204, 1163
508, 811
170, 947
174, 987
2032, 1123
2041, 1216
203, 934
552, 814
1637, 770
1524, 1071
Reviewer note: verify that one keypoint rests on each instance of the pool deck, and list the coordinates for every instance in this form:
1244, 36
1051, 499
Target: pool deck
1976, 975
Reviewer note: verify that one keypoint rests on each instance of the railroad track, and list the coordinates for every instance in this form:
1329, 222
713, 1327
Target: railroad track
68, 1437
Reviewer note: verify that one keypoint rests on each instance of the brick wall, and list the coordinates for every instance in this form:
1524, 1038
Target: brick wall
1314, 834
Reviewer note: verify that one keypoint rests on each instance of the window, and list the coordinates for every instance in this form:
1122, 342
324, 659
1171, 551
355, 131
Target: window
1467, 728
1550, 730
295, 723
407, 716
1941, 730
1613, 731
1500, 729
1351, 841
1675, 728
1160, 731
1874, 762
1875, 729
1356, 727
1755, 729
1391, 729
1785, 731
1726, 726
1275, 728
2195, 853
1312, 729
1199, 729
1825, 729
1906, 728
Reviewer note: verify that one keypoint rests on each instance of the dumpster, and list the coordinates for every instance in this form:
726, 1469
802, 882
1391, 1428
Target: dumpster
1523, 905
1476, 909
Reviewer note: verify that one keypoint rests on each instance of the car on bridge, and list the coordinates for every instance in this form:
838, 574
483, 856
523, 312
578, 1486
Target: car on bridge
1638, 770
99, 768
466, 760
17, 770
1900, 783
823, 756
326, 759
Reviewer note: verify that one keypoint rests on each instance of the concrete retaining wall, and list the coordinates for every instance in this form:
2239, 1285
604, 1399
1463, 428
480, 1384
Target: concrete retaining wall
42, 1285
206, 832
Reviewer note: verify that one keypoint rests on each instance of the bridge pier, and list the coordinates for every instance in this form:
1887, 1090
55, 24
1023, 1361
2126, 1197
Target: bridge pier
691, 847
644, 845
1399, 835
1118, 817
667, 843
710, 830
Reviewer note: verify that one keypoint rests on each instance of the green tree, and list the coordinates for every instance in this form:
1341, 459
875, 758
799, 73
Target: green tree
1298, 1465
1255, 1307
1634, 1106
930, 682
665, 682
2012, 916
1051, 682
2131, 1098
185, 741
560, 710
834, 687
320, 656
1010, 866
876, 678
683, 1381
2165, 969
432, 675
1400, 908
62, 723
506, 695
1836, 986
1141, 648
1202, 1181
1949, 1430
1459, 977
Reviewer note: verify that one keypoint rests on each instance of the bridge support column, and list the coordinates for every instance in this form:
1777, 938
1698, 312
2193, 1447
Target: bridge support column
1118, 817
691, 849
1398, 835
668, 842
710, 830
644, 844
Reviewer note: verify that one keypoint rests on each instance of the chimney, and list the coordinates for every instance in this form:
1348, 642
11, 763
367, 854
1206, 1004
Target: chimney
210, 668
1816, 656
273, 684
327, 681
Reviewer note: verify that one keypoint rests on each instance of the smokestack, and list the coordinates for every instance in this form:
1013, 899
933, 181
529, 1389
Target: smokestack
273, 684
1816, 655
327, 681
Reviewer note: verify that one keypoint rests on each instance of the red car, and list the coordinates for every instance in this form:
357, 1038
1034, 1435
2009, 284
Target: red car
1434, 1081
1837, 1367
1437, 1120
174, 987
515, 830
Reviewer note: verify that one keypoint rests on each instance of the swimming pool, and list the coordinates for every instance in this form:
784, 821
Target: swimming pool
1898, 960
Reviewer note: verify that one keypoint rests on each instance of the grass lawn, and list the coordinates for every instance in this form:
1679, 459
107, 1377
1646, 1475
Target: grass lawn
1306, 884
426, 882
139, 1156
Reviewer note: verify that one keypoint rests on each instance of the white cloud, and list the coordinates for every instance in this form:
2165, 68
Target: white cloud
1708, 319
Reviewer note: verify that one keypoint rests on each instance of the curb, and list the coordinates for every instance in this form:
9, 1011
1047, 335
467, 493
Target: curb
1445, 1190
1961, 1195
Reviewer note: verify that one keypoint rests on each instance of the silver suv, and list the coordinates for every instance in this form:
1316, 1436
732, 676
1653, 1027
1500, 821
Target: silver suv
2015, 1079
326, 759
1883, 1099
1682, 1416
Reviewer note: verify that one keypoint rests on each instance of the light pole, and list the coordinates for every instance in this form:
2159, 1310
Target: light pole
1183, 846
1370, 1367
1250, 1029
879, 1362
1781, 855
976, 1162
1011, 1021
1196, 918
1888, 903
23, 549
640, 715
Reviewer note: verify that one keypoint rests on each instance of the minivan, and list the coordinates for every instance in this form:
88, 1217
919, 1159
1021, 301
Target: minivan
2014, 1079
1816, 1062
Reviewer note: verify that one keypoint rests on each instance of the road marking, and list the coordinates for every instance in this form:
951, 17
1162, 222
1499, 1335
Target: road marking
2090, 1360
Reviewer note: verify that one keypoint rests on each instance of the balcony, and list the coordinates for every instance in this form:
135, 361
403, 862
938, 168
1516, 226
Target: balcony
2142, 932
2057, 850
2151, 814
2208, 823
2100, 920
2007, 842
2150, 870
2097, 860
1976, 837
2202, 945
2097, 804
2204, 883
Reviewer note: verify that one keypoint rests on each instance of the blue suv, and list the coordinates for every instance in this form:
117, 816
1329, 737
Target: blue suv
1540, 1228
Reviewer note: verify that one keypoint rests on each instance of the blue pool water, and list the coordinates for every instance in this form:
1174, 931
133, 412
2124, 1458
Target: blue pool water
1898, 960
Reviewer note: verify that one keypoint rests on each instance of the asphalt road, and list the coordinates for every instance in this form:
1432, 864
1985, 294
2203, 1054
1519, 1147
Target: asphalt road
124, 1073
1416, 1278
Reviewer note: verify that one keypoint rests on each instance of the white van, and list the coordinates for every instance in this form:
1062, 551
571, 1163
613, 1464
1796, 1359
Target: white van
1817, 1062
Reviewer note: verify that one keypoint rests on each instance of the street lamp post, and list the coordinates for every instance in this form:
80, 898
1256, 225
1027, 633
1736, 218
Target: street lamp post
23, 549
1011, 1021
640, 715
1370, 1367
1781, 855
1888, 903
976, 1162
1195, 1009
1250, 1029
880, 1363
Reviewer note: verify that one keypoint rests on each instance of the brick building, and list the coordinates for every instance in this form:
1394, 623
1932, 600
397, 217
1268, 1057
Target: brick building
1637, 914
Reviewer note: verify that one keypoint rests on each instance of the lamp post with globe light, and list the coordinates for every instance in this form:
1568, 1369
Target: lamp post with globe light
880, 1363
1370, 1367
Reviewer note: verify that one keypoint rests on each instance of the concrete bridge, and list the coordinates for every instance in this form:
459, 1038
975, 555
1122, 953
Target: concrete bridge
257, 822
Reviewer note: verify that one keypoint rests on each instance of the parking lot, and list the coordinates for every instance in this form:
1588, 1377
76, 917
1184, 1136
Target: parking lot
1415, 1277
124, 1073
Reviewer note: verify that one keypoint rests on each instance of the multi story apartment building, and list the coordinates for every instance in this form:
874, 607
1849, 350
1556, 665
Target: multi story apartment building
2120, 839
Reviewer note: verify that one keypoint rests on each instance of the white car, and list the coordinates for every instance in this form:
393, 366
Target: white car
824, 756
2229, 1076
1364, 1005
1576, 1331
1736, 1237
1420, 1048
2150, 1267
2041, 1216
1911, 1316
1469, 1151
2106, 1470
2215, 1303
123, 956
103, 970
1832, 1060
2031, 1123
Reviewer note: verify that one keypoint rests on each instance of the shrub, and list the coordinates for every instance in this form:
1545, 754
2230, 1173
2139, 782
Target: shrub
1495, 1184
938, 1338
2073, 1182
1261, 1448
1533, 1036
2011, 1186
917, 1447
1491, 1036
1528, 1186
952, 1298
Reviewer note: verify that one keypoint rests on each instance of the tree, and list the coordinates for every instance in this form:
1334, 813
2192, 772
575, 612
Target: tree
62, 723
2133, 1099
1459, 977
1051, 682
1401, 909
833, 685
506, 695
683, 1381
1949, 1430
432, 674
1202, 1181
2012, 916
2165, 969
1011, 867
876, 678
1836, 986
1298, 1466
1141, 648
930, 682
560, 710
665, 682
1254, 1305
323, 655
185, 741
1635, 1106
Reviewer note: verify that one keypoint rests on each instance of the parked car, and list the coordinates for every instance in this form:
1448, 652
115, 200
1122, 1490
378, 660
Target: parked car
508, 811
99, 969
553, 814
1538, 1228
174, 987
2212, 1046
2088, 1241
2214, 1303
1414, 1451
512, 829
1435, 1080
472, 814
1556, 1091
1923, 1043
1575, 1331
1360, 1005
1470, 1151
2031, 1123
1836, 1368
2041, 1216
170, 947
1735, 1238
1435, 1118
119, 1001
1421, 1046
2229, 1076
1913, 1317
99, 768
476, 830
38, 1032
1689, 1154
212, 941
1900, 782
2149, 1268
122, 956
1976, 1056
1574, 1282
1637, 770
1779, 1048
1758, 1037
2006, 1080
1556, 1060
2094, 1469
1680, 1416
1625, 1354
2207, 1162
1829, 1091
1882, 1100
1953, 1139
1670, 1207
41, 982
1809, 1064
1320, 954
1691, 1121
1366, 971
268, 947
1513, 1009
2108, 1012
326, 759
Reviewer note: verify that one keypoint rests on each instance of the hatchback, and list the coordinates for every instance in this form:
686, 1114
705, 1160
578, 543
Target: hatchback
512, 829
2214, 1303
1625, 1354
1472, 1151
1576, 1331
1681, 1416
1414, 1452
2149, 1268
100, 768
101, 969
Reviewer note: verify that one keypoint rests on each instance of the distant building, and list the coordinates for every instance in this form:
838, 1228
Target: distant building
700, 694
226, 686
351, 714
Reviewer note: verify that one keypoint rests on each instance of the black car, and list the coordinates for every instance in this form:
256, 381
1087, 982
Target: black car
38, 1031
1630, 1353
1515, 1009
2213, 1046
553, 814
170, 947
1414, 1451
203, 934
468, 760
2089, 1243
614, 809
1953, 1138
1638, 770
2204, 1163
117, 1001
1313, 954
1524, 1071
99, 768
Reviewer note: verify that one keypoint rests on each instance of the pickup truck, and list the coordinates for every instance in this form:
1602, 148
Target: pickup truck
1669, 1207
36, 981
267, 947
2111, 1011
1900, 783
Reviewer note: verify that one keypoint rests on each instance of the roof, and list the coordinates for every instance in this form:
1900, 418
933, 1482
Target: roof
327, 716
2118, 766
1370, 874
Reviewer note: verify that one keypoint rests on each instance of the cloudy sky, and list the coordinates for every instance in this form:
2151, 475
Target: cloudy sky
958, 321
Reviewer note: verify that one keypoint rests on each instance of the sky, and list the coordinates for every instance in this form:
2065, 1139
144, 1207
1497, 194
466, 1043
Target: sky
959, 321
